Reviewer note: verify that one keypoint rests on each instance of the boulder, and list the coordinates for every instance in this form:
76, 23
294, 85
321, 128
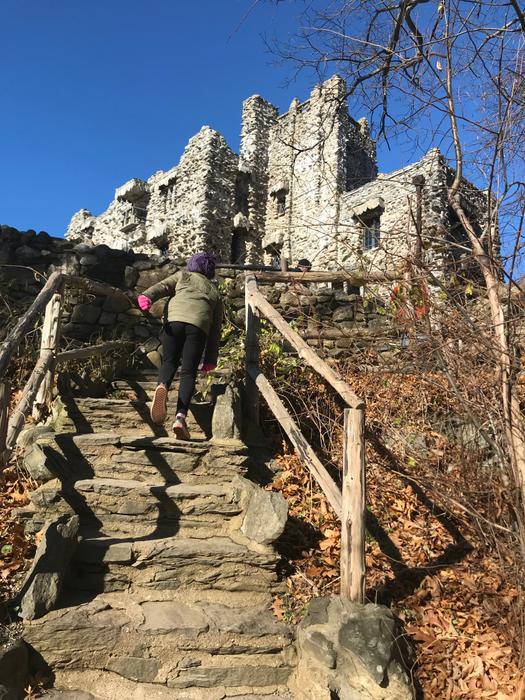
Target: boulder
227, 415
87, 259
131, 276
82, 248
32, 434
157, 308
344, 313
115, 304
42, 586
154, 358
351, 651
265, 515
36, 463
80, 331
13, 670
85, 313
107, 319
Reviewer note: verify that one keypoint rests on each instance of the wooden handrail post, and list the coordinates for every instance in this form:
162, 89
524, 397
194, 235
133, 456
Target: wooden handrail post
50, 341
24, 406
10, 344
252, 350
5, 394
353, 517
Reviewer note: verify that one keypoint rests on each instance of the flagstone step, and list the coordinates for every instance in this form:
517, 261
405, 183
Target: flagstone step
170, 563
117, 506
109, 686
125, 416
142, 389
175, 644
155, 460
169, 592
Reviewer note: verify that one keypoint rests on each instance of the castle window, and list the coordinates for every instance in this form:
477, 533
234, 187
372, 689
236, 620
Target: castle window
140, 213
167, 190
280, 202
371, 232
238, 248
133, 217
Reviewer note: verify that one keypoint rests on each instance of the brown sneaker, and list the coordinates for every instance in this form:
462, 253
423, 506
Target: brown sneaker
158, 408
181, 429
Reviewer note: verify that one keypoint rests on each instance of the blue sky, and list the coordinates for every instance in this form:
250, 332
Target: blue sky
95, 93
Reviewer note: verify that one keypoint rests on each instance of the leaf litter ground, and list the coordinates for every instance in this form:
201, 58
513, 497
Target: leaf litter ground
450, 577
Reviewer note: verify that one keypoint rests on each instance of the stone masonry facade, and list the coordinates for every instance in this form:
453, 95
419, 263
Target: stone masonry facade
305, 184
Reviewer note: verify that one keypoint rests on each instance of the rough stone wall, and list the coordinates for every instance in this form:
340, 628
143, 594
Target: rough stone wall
315, 150
185, 209
200, 210
304, 165
331, 320
358, 153
392, 198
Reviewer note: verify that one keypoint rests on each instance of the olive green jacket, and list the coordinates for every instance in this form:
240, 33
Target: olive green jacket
193, 299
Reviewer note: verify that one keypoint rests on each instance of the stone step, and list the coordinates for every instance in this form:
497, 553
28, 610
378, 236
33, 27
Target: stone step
175, 645
129, 417
171, 563
142, 389
155, 460
109, 686
117, 507
151, 374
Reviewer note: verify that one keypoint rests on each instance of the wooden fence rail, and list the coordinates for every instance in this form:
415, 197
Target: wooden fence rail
350, 503
38, 389
353, 278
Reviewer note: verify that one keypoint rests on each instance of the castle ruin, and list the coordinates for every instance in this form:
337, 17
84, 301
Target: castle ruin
305, 184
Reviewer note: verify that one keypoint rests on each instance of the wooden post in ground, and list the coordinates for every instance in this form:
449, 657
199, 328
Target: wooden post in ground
284, 263
5, 395
50, 341
353, 516
252, 351
24, 406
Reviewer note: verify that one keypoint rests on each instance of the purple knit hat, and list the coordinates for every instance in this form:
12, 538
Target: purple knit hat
203, 263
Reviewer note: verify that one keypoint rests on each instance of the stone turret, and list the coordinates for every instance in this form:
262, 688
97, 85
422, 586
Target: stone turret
258, 118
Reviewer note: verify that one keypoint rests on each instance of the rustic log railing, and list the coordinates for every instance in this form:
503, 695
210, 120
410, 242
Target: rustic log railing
349, 503
38, 389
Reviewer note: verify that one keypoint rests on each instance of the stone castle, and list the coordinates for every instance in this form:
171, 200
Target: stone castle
305, 184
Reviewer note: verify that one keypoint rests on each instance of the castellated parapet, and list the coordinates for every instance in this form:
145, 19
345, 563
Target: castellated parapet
305, 184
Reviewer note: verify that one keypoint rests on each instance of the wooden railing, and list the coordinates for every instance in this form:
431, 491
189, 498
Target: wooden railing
38, 389
350, 502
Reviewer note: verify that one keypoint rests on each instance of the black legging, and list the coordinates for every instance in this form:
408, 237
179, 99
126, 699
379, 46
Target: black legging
181, 339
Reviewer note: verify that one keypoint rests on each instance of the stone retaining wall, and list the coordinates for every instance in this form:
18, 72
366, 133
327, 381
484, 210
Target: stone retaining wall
332, 320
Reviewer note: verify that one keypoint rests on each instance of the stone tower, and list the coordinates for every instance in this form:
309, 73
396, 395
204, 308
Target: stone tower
258, 119
316, 152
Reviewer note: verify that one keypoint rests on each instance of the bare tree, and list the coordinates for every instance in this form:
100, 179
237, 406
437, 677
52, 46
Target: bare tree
446, 73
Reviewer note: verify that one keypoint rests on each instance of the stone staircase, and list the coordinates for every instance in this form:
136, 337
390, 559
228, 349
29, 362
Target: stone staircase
170, 589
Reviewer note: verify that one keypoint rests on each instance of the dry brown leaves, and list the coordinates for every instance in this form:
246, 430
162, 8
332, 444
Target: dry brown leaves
454, 588
15, 546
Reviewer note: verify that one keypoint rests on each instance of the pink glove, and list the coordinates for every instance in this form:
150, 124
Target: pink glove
144, 302
208, 367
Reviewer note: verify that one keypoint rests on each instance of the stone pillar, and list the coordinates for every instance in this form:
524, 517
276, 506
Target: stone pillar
258, 117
